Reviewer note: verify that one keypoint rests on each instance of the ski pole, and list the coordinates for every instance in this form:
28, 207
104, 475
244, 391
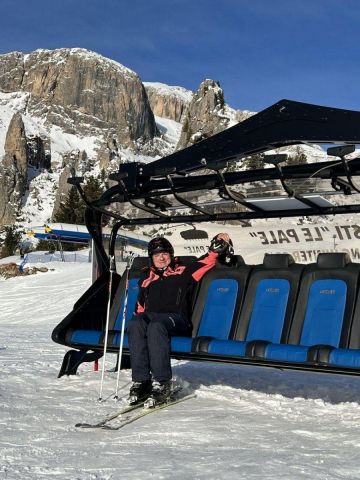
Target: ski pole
112, 269
126, 296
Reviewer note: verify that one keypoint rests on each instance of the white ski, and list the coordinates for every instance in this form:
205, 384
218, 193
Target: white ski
118, 413
147, 411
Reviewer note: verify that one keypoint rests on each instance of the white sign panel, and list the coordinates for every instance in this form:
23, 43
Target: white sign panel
303, 242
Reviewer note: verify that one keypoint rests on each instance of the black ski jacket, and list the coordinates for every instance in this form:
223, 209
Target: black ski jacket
171, 291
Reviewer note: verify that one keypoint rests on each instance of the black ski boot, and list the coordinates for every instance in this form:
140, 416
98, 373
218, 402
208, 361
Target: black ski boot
160, 393
139, 391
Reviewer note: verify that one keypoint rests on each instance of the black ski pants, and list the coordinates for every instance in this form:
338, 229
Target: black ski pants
149, 343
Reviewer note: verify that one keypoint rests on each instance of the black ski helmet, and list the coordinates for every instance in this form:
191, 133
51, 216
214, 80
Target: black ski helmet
160, 244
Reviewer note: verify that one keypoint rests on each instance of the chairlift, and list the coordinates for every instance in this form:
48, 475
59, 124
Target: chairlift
299, 335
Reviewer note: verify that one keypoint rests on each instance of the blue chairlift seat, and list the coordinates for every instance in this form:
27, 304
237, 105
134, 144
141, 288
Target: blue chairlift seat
324, 311
219, 299
267, 310
345, 357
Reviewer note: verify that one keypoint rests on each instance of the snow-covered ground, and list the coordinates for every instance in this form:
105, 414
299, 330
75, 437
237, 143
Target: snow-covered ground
245, 422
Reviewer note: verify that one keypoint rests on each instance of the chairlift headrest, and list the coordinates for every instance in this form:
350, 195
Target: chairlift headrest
239, 260
333, 260
139, 263
277, 260
186, 259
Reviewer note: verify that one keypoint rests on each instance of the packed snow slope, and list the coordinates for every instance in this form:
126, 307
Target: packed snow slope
245, 422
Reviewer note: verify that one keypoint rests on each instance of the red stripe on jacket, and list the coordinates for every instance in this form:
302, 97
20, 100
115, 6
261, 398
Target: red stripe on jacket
209, 262
139, 308
151, 278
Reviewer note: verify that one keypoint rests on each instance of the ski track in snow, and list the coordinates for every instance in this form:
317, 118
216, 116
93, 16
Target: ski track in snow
245, 423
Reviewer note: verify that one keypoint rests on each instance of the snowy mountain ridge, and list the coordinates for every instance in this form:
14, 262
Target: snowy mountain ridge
60, 96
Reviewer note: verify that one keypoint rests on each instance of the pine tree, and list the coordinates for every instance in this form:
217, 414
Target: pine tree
254, 162
72, 210
11, 241
92, 189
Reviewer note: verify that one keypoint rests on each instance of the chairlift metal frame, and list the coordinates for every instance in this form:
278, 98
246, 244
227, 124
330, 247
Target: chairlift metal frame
202, 168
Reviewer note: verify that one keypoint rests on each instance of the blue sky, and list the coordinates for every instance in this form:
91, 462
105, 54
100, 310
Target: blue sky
259, 50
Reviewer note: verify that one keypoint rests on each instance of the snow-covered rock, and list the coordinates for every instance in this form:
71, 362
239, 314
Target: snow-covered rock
168, 101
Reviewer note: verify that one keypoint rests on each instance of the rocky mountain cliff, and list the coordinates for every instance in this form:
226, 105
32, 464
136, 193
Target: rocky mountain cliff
78, 90
13, 170
168, 102
71, 108
207, 114
66, 100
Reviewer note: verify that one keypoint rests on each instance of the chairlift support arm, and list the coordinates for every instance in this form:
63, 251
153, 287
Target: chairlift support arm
285, 123
277, 160
184, 201
341, 152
